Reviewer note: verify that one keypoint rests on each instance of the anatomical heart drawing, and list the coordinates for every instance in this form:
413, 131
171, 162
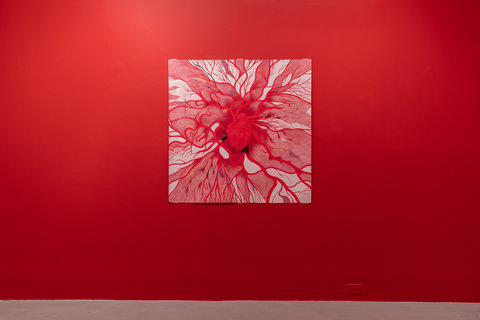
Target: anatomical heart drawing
240, 131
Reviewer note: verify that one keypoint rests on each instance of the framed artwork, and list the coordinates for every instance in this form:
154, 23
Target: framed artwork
240, 131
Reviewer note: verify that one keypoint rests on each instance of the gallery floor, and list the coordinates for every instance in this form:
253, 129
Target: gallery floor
235, 310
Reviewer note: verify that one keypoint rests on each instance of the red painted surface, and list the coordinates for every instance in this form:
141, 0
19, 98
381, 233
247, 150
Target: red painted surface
83, 109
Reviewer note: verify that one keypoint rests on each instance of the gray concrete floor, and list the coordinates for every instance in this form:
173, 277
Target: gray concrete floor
236, 310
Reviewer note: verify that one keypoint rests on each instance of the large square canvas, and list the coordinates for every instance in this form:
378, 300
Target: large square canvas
240, 131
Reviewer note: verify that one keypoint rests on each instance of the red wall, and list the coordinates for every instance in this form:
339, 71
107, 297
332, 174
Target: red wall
83, 109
